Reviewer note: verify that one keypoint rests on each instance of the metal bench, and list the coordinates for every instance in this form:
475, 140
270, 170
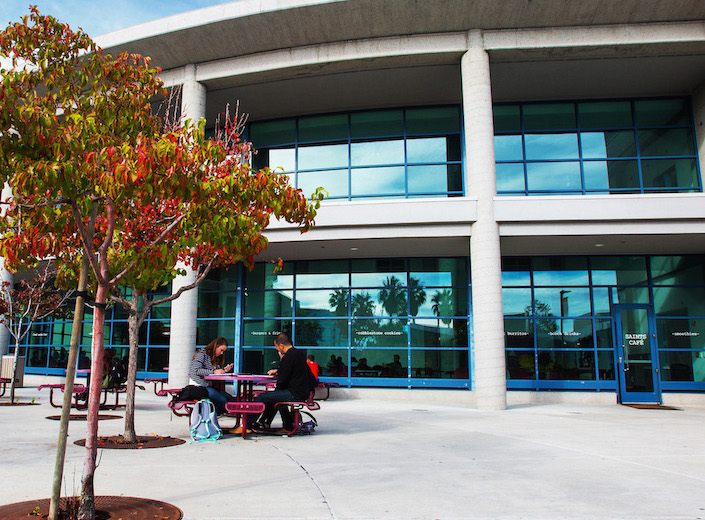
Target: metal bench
4, 381
78, 391
326, 387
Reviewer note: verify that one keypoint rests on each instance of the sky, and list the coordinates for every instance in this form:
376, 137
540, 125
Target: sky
98, 17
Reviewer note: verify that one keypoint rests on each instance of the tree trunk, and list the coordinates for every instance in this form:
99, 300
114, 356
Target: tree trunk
76, 330
87, 507
14, 373
133, 332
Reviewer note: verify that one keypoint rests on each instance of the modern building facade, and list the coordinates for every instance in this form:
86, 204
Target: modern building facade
515, 194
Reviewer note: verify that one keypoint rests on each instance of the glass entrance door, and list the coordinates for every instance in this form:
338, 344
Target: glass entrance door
636, 354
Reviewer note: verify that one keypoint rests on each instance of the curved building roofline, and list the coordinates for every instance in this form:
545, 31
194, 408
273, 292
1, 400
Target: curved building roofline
253, 26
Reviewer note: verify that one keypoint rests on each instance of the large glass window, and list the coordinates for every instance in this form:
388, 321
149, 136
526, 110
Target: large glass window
587, 147
381, 153
558, 318
367, 320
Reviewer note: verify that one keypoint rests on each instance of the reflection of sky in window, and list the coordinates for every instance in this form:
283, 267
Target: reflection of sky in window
314, 300
553, 176
551, 146
428, 179
596, 176
431, 323
510, 177
335, 182
593, 144
376, 279
326, 156
508, 148
432, 149
283, 281
515, 301
516, 278
433, 279
572, 302
567, 277
316, 281
377, 152
284, 158
373, 181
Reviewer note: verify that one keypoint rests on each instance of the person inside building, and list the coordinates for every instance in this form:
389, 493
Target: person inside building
210, 360
295, 382
311, 360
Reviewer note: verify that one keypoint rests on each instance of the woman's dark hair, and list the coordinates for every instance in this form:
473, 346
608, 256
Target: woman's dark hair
218, 361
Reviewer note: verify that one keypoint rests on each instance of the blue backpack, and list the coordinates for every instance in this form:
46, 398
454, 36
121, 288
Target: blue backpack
204, 422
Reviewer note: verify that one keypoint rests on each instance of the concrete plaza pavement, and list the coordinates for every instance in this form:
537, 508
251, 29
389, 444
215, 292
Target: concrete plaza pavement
372, 459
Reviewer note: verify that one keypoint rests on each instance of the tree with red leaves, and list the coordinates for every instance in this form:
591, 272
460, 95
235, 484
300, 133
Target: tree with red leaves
94, 176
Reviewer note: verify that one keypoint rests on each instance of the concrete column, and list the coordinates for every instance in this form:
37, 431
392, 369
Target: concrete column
489, 371
184, 310
699, 113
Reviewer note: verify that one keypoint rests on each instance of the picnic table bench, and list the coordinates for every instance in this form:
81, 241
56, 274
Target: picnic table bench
80, 401
158, 382
4, 381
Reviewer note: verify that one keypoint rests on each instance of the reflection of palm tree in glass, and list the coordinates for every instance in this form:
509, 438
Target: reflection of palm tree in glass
417, 296
443, 304
393, 297
338, 301
363, 305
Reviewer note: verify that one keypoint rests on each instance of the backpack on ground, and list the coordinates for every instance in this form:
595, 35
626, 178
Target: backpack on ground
118, 373
204, 422
306, 427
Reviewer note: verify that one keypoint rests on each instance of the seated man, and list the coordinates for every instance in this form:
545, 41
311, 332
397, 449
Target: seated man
294, 383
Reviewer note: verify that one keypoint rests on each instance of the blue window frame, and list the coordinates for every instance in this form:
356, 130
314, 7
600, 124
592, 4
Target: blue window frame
596, 147
392, 153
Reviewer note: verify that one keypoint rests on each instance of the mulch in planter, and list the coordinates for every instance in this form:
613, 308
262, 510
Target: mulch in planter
83, 417
117, 442
106, 508
16, 403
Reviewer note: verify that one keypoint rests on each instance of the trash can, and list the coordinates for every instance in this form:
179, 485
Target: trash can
8, 367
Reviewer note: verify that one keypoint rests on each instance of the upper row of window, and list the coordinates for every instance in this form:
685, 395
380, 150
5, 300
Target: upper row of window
575, 147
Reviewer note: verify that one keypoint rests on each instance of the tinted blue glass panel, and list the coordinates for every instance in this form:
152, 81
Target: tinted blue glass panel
389, 333
261, 333
268, 304
603, 145
682, 366
508, 148
679, 301
263, 276
439, 364
314, 303
521, 364
541, 147
510, 177
619, 270
611, 175
605, 114
323, 128
321, 333
681, 333
443, 302
601, 301
436, 120
506, 118
678, 270
555, 333
335, 182
436, 333
554, 116
666, 142
514, 278
662, 112
555, 176
377, 152
670, 173
439, 272
378, 181
427, 150
378, 273
560, 271
519, 333
284, 158
434, 179
574, 301
323, 156
570, 365
377, 123
273, 133
516, 302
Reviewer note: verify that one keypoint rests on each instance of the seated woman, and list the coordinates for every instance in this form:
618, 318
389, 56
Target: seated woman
209, 360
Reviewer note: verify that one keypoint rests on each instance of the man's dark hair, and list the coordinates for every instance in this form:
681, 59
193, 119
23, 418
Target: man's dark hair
283, 339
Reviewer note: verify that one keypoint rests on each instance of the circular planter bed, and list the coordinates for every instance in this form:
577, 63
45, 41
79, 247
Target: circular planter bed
117, 442
106, 508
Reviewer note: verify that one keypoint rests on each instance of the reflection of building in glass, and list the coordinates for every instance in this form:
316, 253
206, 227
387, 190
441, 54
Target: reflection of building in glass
497, 223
